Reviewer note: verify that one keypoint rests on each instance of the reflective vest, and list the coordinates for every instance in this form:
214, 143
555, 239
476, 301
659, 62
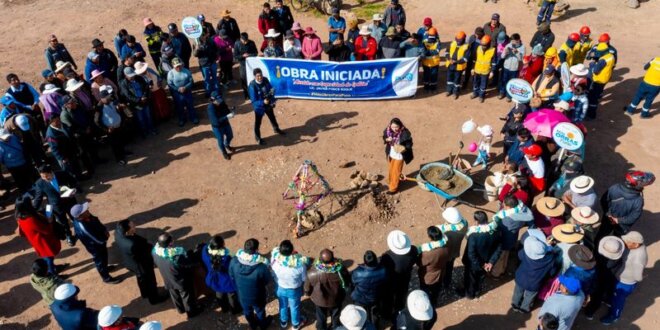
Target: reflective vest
461, 52
606, 73
484, 60
569, 53
431, 54
580, 51
652, 76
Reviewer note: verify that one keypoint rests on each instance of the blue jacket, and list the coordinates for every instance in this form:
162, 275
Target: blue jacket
531, 274
217, 278
624, 203
61, 144
218, 114
586, 277
91, 233
11, 152
73, 314
260, 92
128, 51
368, 284
89, 67
515, 152
251, 281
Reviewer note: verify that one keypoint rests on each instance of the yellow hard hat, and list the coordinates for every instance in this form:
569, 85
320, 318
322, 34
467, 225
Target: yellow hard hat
551, 52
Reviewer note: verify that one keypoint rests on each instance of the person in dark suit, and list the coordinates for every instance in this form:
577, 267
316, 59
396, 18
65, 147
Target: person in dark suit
136, 255
94, 236
63, 147
49, 185
175, 266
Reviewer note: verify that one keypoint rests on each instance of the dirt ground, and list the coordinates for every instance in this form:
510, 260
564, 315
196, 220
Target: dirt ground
179, 182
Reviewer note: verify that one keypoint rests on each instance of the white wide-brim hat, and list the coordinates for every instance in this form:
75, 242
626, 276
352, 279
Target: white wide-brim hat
398, 242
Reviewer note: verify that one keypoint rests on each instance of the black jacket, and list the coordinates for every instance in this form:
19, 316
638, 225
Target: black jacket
284, 18
231, 27
546, 40
43, 188
405, 140
207, 53
482, 248
399, 267
338, 53
129, 93
625, 204
135, 252
176, 274
405, 321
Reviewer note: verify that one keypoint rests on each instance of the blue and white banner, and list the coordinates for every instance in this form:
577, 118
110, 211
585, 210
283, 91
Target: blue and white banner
322, 80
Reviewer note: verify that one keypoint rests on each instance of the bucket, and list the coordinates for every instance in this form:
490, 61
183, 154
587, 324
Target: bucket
490, 193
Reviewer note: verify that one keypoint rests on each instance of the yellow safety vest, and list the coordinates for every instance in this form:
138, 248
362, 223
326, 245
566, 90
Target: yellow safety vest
580, 51
569, 54
433, 60
604, 76
484, 60
652, 76
461, 52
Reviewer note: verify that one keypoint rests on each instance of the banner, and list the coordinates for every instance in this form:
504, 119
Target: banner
322, 80
519, 90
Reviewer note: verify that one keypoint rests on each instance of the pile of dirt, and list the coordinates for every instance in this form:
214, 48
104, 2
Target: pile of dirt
445, 179
376, 207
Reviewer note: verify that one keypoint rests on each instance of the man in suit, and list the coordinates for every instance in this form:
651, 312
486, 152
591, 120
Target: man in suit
49, 185
175, 267
63, 146
136, 254
94, 236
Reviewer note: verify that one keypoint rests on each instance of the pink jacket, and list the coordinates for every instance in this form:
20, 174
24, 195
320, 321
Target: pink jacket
225, 49
312, 48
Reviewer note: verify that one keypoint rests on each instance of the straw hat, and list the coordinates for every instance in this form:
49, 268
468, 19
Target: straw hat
272, 33
72, 85
568, 233
585, 215
61, 65
353, 317
419, 305
109, 315
581, 184
377, 17
398, 242
225, 13
582, 257
550, 207
364, 30
140, 67
611, 247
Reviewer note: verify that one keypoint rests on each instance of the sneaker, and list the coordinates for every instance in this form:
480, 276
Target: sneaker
225, 156
112, 280
501, 96
280, 132
456, 96
608, 319
230, 149
481, 100
589, 316
473, 96
261, 142
284, 325
645, 114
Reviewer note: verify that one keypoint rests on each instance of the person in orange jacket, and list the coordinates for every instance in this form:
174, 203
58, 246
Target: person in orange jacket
365, 45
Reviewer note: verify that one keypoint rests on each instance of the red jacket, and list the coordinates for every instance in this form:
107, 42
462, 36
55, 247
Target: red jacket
41, 236
365, 53
532, 70
123, 325
266, 22
521, 195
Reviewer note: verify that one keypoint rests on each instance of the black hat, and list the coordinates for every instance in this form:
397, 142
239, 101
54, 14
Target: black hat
45, 168
172, 27
582, 257
96, 43
130, 39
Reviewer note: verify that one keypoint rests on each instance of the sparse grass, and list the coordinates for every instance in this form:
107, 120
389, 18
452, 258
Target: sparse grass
366, 11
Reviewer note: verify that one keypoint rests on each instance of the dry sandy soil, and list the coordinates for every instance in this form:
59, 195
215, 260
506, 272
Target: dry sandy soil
178, 181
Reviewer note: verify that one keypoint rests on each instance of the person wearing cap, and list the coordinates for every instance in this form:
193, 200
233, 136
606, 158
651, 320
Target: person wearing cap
273, 50
206, 25
43, 281
136, 256
132, 48
418, 313
546, 87
168, 51
458, 56
134, 89
243, 49
94, 236
230, 25
493, 28
369, 282
109, 121
538, 262
27, 130
648, 89
377, 27
292, 46
534, 167
225, 48
289, 269
219, 114
336, 25
483, 149
422, 32
49, 78
609, 262
120, 40
326, 285
548, 214
354, 317
153, 34
338, 51
207, 54
543, 36
432, 263
484, 65
23, 92
366, 46
634, 261
217, 258
482, 250
180, 83
312, 47
249, 271
601, 68
431, 60
12, 156
512, 57
394, 14
283, 16
389, 46
70, 312
454, 230
399, 261
581, 193
566, 303
48, 185
56, 52
111, 318
151, 325
181, 44
267, 21
513, 216
39, 232
502, 41
623, 203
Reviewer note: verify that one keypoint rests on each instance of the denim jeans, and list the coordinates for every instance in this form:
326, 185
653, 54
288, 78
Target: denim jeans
506, 76
645, 92
144, 119
100, 258
209, 72
454, 81
479, 84
482, 158
255, 315
184, 100
289, 300
50, 262
545, 14
224, 135
430, 77
523, 299
621, 292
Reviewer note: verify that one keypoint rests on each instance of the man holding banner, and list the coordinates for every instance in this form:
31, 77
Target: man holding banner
262, 96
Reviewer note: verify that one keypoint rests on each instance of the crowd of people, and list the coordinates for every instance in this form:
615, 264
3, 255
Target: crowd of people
570, 254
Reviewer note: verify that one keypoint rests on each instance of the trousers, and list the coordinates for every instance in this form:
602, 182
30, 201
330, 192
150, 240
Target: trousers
394, 176
479, 85
523, 299
645, 92
473, 280
594, 94
545, 13
224, 135
183, 300
454, 81
259, 117
322, 314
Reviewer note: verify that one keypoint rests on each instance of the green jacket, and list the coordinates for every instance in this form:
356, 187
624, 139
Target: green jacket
46, 286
